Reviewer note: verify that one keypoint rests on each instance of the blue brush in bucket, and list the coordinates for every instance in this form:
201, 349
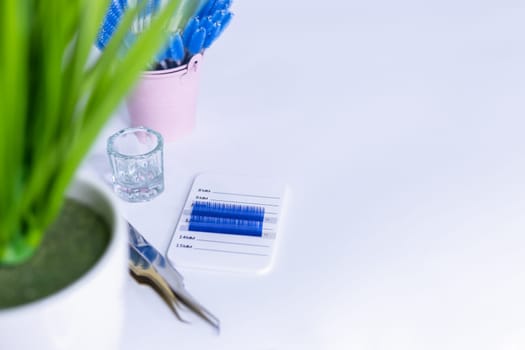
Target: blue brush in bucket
201, 31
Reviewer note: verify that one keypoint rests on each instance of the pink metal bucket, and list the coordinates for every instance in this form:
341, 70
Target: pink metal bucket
166, 100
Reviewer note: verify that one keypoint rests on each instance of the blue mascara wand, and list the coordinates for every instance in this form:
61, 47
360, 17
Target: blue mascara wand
191, 27
110, 24
204, 11
172, 55
196, 43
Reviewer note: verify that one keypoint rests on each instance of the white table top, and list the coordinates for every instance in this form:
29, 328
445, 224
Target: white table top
398, 127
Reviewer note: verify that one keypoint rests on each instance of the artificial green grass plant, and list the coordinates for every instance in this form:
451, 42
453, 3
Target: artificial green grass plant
54, 102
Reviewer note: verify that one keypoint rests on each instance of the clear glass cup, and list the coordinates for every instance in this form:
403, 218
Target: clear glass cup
136, 159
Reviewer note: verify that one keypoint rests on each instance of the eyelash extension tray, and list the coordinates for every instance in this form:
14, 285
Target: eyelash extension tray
228, 223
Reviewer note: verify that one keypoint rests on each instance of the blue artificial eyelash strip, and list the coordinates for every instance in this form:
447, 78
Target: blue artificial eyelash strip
232, 211
225, 225
206, 9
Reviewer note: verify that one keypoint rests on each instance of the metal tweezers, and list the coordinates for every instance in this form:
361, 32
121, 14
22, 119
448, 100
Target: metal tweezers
147, 263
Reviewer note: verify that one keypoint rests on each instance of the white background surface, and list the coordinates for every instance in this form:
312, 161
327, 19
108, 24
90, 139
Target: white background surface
398, 126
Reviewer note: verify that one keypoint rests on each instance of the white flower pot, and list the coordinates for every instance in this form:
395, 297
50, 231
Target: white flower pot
87, 314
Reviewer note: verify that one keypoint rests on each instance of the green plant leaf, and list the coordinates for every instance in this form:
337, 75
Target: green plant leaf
54, 104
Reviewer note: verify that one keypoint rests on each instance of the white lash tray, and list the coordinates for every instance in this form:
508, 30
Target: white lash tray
251, 252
